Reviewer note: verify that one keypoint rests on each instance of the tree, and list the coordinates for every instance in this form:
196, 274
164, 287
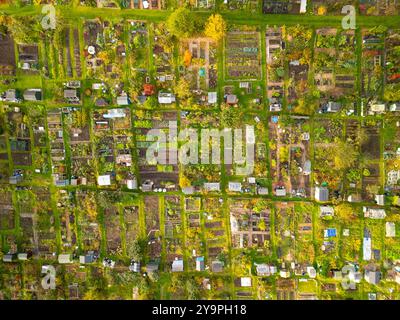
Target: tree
322, 10
181, 23
215, 27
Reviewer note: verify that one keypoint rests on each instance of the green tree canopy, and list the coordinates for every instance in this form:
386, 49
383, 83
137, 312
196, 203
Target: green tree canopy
181, 23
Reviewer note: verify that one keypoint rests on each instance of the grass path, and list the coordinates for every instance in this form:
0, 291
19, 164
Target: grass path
235, 17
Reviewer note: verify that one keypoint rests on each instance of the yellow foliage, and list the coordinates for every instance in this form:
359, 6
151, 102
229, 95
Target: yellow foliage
345, 212
4, 20
103, 55
91, 294
140, 114
322, 11
215, 27
90, 208
371, 10
184, 181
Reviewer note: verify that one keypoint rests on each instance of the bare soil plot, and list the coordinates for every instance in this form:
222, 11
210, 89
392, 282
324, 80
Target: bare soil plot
281, 7
77, 53
7, 218
113, 229
131, 218
68, 51
22, 159
151, 210
7, 56
152, 221
371, 147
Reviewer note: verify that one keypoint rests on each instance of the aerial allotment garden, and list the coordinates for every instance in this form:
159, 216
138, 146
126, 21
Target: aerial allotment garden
81, 104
